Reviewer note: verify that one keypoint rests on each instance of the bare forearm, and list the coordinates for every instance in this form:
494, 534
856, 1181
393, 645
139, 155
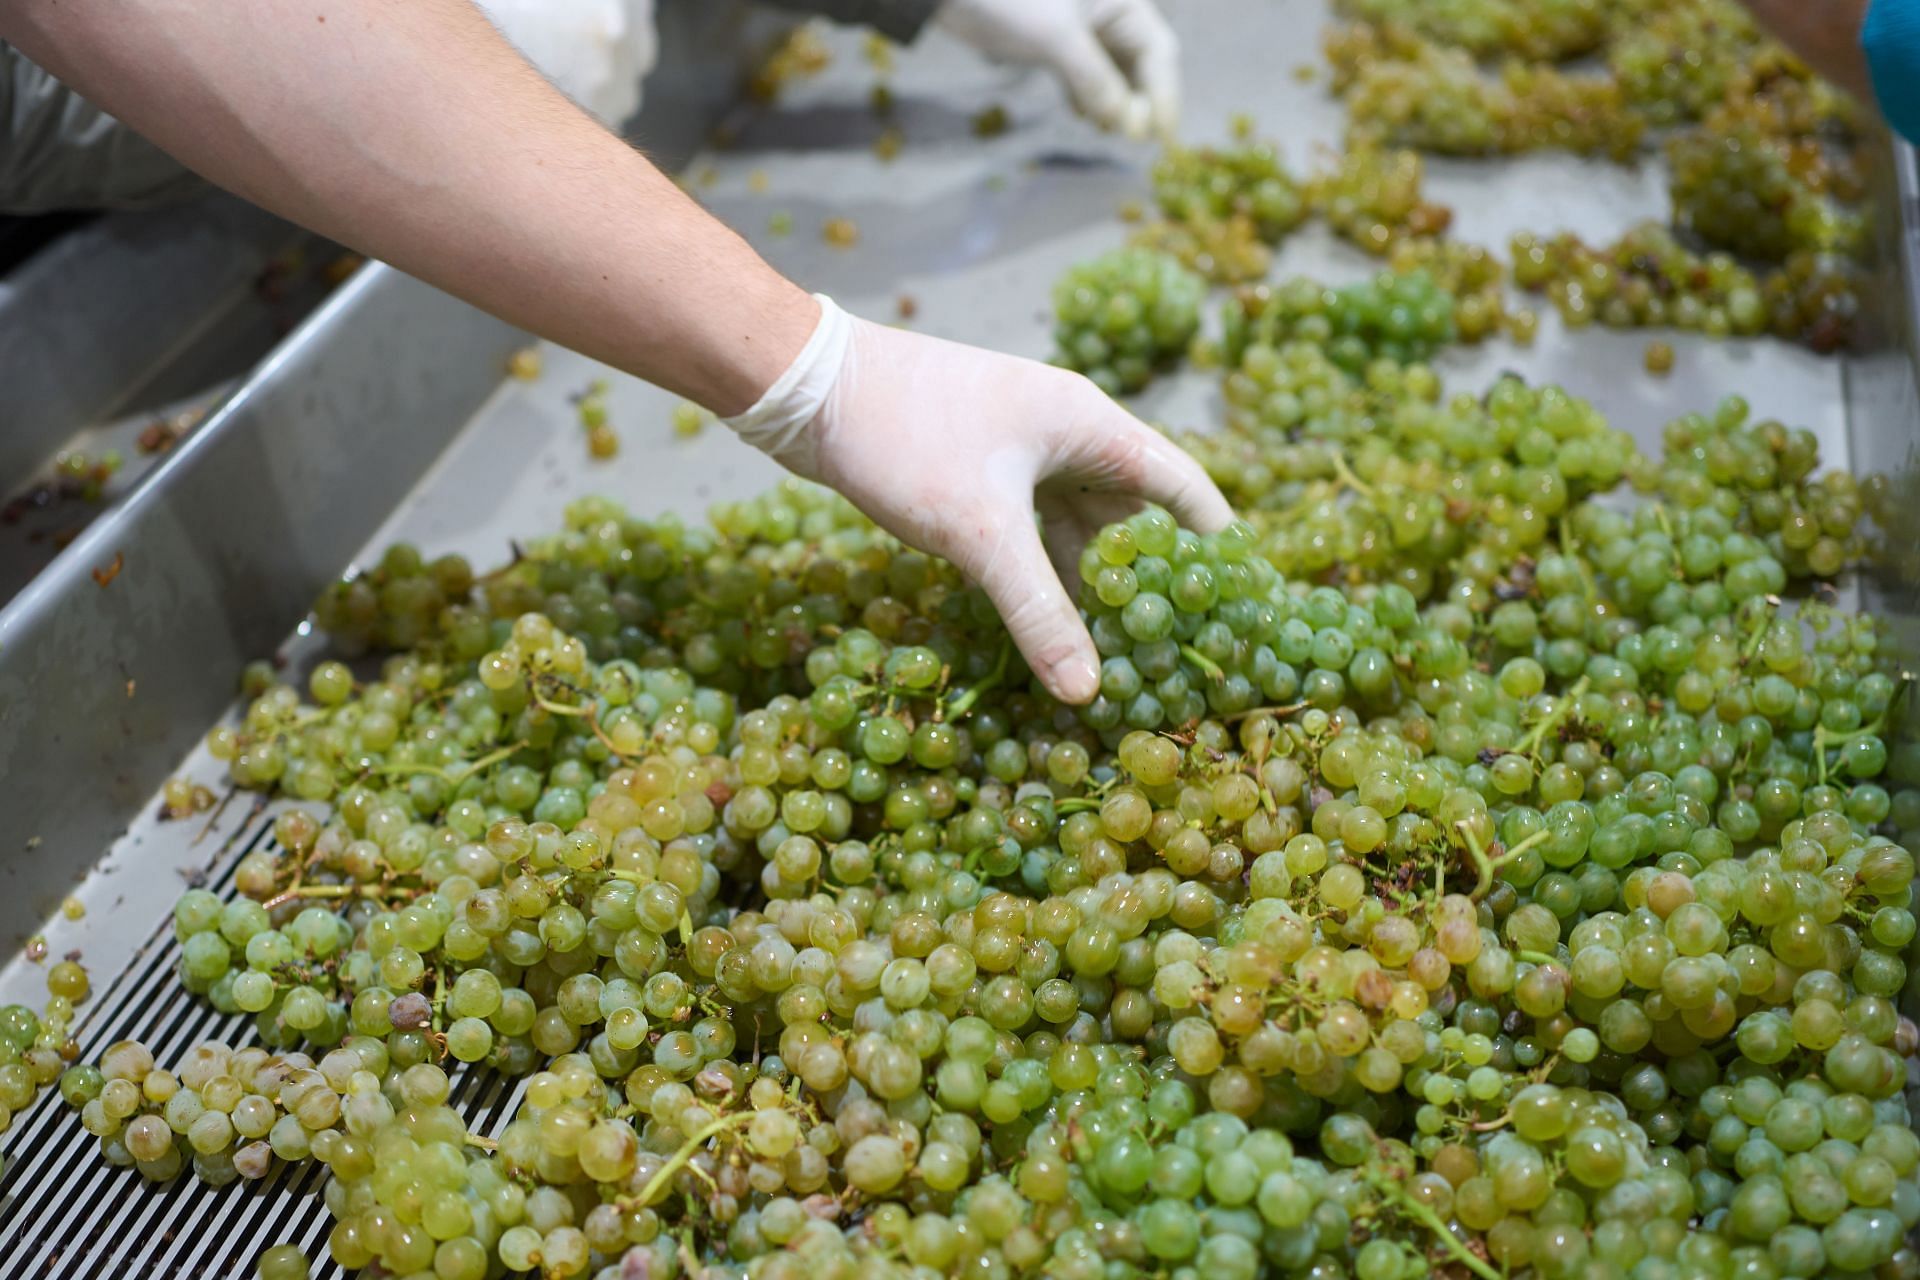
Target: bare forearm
1825, 33
414, 133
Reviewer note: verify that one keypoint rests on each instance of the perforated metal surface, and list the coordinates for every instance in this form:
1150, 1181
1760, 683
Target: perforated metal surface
65, 1214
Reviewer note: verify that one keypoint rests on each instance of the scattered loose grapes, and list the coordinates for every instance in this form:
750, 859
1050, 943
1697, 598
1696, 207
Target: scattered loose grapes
602, 442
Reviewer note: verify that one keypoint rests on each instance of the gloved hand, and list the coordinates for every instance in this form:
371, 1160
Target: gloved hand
953, 449
1119, 59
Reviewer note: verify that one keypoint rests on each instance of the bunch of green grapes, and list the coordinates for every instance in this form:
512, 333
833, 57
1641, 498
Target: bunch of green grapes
1401, 90
1647, 278
1473, 276
1223, 250
394, 605
35, 1048
1399, 317
1123, 316
1743, 182
1544, 30
1811, 524
1676, 62
1215, 184
1373, 198
228, 1114
1815, 298
1470, 864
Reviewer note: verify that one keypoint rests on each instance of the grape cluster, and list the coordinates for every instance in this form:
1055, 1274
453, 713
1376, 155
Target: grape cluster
1448, 851
1392, 316
1224, 250
1676, 61
1473, 277
35, 1048
1646, 278
1402, 90
1248, 180
1815, 298
1745, 182
1373, 198
1124, 315
1547, 30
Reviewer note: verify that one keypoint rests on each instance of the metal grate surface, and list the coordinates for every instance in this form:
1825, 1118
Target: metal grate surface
65, 1214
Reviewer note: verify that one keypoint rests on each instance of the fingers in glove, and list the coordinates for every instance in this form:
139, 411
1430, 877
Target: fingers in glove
1033, 603
1069, 518
1096, 84
1110, 449
1146, 49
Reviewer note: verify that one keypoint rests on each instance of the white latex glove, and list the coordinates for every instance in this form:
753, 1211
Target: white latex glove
953, 449
1118, 59
595, 51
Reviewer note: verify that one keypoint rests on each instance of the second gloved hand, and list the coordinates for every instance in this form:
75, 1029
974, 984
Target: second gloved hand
954, 449
1119, 59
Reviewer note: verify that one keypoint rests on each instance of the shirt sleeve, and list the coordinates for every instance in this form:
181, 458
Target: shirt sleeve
59, 152
897, 19
1890, 37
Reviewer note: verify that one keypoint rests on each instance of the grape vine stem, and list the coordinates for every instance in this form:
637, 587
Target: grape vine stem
1432, 1221
1347, 478
1532, 742
665, 1174
294, 892
964, 700
1208, 666
1486, 865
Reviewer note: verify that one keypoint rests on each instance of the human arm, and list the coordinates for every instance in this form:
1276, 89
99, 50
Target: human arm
414, 133
63, 152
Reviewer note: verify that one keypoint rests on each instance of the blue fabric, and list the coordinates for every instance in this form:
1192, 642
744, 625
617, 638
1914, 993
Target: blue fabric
1890, 37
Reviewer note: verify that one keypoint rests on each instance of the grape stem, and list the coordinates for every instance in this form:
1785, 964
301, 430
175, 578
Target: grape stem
1485, 865
1533, 957
371, 892
964, 700
1531, 743
1823, 739
1432, 1221
484, 1144
451, 779
1207, 665
665, 1173
1347, 478
1277, 712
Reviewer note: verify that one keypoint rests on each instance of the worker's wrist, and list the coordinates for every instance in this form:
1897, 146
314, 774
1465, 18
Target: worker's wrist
765, 334
777, 424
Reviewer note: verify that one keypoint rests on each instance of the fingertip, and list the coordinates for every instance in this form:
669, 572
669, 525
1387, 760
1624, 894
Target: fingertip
1073, 680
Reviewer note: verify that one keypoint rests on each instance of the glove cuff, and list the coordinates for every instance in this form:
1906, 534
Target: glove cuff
777, 421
